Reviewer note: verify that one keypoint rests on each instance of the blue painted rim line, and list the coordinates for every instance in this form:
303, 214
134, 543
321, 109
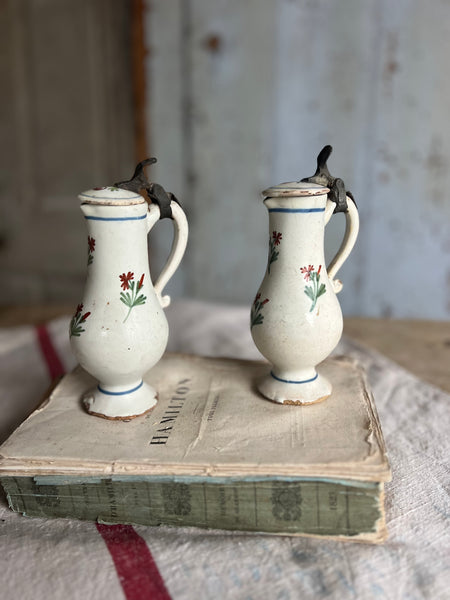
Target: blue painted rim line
296, 210
116, 218
120, 393
291, 381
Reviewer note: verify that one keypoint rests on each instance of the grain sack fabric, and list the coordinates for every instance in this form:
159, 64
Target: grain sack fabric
59, 558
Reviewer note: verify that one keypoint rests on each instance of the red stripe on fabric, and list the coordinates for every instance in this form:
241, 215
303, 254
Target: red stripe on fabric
135, 566
52, 360
136, 569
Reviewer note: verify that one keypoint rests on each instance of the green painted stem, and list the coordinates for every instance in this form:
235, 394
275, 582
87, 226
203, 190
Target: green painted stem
128, 314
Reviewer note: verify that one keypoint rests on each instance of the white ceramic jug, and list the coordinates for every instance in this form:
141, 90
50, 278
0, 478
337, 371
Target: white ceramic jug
119, 330
296, 320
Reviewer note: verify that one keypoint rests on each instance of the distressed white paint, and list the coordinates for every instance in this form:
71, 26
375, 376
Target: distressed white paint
408, 241
167, 75
253, 109
224, 102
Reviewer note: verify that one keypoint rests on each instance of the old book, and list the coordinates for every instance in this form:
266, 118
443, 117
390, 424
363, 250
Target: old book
211, 454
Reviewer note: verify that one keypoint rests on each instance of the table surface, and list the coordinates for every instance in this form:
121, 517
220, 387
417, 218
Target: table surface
421, 347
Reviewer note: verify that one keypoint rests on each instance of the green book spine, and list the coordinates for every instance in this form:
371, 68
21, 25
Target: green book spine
294, 506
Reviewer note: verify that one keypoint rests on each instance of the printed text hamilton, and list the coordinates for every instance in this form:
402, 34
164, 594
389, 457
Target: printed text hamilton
167, 422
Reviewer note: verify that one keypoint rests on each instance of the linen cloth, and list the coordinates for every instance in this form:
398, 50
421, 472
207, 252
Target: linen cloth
68, 559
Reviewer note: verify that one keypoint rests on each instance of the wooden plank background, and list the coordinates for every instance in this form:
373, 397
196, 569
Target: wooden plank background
243, 95
66, 124
240, 95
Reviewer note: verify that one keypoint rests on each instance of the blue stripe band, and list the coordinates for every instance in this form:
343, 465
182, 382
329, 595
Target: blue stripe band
291, 381
120, 393
116, 218
296, 210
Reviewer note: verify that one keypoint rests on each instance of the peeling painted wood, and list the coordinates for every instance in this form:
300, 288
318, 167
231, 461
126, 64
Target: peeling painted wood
264, 86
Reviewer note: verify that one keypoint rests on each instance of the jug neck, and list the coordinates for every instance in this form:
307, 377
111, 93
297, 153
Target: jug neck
296, 231
298, 216
117, 238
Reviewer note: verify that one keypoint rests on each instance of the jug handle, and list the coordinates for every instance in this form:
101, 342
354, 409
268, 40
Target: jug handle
351, 233
177, 250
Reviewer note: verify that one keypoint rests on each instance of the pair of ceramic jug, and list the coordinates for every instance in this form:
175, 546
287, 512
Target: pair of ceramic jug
119, 331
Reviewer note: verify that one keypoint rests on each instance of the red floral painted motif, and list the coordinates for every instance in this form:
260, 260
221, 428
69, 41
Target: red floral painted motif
132, 297
256, 318
274, 241
91, 249
276, 236
76, 324
307, 271
125, 279
316, 289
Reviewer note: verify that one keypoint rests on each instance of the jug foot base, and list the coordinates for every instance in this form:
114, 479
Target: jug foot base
122, 406
294, 393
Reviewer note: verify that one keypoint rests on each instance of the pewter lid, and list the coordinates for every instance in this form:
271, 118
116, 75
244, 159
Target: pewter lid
110, 196
295, 188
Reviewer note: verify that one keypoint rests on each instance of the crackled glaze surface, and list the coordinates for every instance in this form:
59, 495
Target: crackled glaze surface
296, 320
119, 330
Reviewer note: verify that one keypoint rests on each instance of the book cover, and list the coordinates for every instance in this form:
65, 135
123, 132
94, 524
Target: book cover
212, 453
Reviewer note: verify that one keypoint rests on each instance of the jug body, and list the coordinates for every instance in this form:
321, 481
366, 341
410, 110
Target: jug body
296, 319
119, 330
